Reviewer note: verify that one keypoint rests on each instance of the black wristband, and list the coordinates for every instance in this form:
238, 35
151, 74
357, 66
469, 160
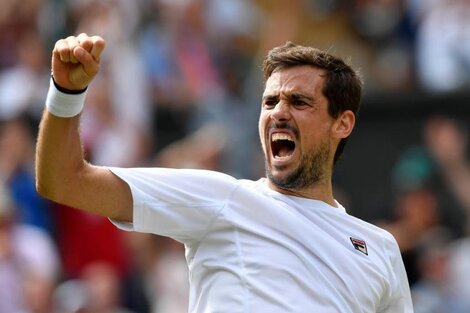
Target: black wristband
67, 91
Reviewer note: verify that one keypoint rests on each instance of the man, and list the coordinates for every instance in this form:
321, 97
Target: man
279, 244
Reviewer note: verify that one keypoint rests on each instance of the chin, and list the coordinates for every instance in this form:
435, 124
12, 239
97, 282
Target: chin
284, 179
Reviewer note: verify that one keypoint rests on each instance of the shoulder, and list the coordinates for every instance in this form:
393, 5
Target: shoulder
168, 184
169, 175
162, 171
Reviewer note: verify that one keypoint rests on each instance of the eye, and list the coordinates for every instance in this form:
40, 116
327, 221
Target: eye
299, 103
269, 103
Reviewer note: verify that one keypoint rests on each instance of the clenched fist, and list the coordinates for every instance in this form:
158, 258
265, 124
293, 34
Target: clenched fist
76, 60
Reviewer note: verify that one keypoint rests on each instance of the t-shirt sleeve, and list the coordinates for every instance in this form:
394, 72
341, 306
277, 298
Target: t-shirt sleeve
177, 203
398, 299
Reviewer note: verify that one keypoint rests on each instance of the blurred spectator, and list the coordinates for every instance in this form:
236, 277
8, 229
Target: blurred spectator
70, 296
108, 138
84, 239
172, 281
432, 293
22, 85
201, 149
459, 272
29, 265
159, 281
386, 27
232, 31
102, 285
416, 206
377, 19
97, 290
15, 18
180, 66
447, 140
119, 114
17, 171
443, 45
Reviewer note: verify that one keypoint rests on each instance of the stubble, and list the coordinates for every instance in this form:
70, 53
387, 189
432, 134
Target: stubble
311, 170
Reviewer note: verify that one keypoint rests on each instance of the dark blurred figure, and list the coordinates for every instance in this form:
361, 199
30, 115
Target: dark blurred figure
447, 139
158, 282
102, 284
416, 207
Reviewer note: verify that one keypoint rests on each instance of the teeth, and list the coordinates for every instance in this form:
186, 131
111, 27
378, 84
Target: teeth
281, 136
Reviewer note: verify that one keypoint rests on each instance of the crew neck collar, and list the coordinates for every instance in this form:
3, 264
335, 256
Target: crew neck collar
301, 200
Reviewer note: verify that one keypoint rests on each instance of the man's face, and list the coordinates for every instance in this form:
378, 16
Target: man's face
295, 128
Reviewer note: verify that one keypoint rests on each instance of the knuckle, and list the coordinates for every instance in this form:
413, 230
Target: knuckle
98, 40
59, 43
87, 42
83, 38
72, 41
62, 49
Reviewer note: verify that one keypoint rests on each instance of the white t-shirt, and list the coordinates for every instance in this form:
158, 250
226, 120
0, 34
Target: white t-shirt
251, 249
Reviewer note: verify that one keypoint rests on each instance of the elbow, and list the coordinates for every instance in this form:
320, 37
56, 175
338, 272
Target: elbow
59, 186
45, 189
51, 183
51, 187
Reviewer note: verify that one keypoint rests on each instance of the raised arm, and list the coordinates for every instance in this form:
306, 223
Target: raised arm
62, 174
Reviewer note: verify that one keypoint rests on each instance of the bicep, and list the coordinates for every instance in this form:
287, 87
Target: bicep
96, 189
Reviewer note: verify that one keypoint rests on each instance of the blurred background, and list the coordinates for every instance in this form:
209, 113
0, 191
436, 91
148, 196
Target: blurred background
180, 86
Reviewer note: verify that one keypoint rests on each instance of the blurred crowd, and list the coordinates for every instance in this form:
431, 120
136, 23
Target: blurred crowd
180, 86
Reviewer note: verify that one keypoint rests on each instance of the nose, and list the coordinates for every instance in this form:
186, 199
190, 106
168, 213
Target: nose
281, 112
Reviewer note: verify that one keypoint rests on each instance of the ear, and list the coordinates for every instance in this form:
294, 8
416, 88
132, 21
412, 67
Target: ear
343, 125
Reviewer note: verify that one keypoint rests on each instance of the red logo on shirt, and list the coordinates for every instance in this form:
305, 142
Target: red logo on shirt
359, 245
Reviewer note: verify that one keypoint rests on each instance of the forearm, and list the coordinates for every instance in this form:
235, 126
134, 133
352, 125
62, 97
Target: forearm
59, 156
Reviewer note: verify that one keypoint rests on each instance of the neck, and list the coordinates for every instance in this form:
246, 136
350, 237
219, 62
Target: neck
321, 190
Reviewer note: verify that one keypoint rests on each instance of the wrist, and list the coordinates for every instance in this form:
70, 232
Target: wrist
65, 90
62, 102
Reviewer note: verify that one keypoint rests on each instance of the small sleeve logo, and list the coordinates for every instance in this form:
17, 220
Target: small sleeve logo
359, 245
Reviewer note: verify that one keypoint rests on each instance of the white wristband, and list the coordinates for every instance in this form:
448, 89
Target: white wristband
63, 104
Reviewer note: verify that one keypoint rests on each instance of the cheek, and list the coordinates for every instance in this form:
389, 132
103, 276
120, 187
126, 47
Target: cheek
313, 136
262, 130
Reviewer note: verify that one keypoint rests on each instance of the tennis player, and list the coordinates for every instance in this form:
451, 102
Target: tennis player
279, 244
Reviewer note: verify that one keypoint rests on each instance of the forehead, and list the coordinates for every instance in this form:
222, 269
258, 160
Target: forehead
305, 79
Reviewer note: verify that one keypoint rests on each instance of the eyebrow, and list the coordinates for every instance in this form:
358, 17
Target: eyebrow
270, 97
298, 96
291, 96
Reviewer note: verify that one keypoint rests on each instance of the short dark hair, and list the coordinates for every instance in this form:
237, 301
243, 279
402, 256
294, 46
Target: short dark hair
343, 85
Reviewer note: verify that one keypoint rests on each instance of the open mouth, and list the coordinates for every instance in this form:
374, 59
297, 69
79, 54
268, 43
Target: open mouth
282, 145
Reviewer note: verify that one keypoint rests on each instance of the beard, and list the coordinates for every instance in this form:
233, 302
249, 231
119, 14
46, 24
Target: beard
311, 169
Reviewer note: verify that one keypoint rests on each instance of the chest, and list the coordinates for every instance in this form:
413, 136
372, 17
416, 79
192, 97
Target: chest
319, 258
